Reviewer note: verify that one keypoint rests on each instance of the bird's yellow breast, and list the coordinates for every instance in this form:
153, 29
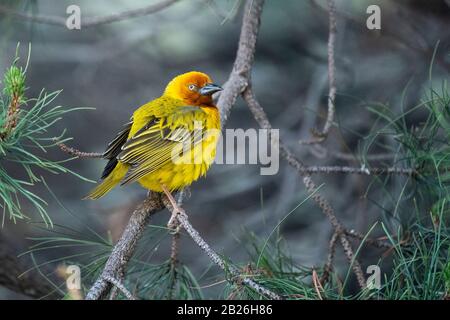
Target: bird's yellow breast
191, 165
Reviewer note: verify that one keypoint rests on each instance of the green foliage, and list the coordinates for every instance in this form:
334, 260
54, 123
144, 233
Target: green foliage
424, 147
420, 269
419, 220
25, 138
447, 278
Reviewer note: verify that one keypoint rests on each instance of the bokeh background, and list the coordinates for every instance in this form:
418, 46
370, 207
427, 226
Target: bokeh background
117, 67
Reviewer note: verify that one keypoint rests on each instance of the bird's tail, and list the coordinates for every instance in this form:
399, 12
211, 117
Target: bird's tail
108, 183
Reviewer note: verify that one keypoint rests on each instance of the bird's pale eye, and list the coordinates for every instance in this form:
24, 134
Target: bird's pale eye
192, 87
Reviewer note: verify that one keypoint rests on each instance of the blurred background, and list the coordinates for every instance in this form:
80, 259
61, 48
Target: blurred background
117, 67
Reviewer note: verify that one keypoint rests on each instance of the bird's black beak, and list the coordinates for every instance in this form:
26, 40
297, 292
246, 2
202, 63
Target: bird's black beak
210, 89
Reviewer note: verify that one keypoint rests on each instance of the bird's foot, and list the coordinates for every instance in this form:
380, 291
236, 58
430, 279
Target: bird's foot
173, 223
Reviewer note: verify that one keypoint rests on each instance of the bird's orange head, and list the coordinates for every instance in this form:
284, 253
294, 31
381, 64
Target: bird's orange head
194, 88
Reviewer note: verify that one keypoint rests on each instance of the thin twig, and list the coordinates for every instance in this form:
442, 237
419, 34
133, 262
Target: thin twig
374, 242
321, 136
369, 157
362, 170
92, 21
174, 249
328, 268
77, 153
322, 152
261, 117
182, 217
119, 285
317, 284
115, 291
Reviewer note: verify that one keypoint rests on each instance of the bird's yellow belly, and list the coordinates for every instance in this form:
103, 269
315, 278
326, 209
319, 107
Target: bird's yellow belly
181, 172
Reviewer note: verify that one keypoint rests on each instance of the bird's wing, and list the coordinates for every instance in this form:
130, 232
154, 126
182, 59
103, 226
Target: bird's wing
153, 145
114, 148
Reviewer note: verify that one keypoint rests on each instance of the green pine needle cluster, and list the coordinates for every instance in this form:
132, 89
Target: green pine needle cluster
14, 82
25, 138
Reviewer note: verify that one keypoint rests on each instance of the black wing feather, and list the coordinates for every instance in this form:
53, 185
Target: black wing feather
114, 148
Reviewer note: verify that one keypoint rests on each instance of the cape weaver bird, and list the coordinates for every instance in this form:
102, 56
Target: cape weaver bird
183, 118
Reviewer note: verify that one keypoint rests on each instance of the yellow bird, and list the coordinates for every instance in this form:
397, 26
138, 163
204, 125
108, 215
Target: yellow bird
169, 142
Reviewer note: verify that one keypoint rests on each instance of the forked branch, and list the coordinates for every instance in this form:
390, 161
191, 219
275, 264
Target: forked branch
324, 205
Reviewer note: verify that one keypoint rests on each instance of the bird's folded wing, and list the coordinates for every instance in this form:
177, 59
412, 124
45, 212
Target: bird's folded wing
154, 145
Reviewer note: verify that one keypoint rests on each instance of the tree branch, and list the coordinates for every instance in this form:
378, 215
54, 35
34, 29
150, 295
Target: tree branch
328, 268
321, 136
362, 170
373, 242
92, 21
239, 77
321, 153
125, 247
77, 153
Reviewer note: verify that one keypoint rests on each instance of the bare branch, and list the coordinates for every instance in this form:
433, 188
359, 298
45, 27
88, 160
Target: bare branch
317, 285
322, 152
92, 21
321, 136
331, 67
77, 153
240, 75
361, 170
370, 157
174, 249
182, 218
328, 268
374, 242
